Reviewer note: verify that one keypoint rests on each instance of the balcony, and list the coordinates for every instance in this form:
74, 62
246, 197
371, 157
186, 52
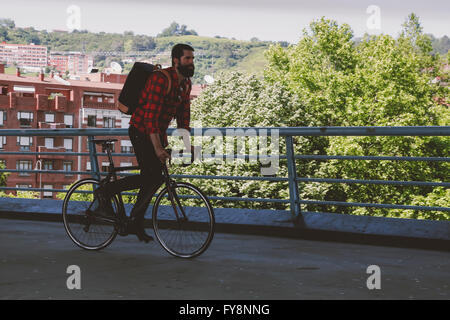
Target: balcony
59, 103
43, 104
58, 153
47, 125
99, 105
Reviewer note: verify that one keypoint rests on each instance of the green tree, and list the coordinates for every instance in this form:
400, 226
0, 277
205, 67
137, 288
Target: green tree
8, 23
328, 80
380, 82
176, 30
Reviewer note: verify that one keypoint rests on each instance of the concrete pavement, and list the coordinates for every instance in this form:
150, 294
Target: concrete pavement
35, 256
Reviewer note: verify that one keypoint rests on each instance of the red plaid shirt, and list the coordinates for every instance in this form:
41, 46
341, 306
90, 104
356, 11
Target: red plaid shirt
156, 109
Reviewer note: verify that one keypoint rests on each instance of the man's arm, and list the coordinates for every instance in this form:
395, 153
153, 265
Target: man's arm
161, 153
184, 118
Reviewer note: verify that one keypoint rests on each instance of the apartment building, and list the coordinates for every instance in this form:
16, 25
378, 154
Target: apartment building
40, 103
27, 56
75, 62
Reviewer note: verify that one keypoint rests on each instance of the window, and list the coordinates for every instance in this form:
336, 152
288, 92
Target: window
49, 142
3, 163
24, 143
92, 121
67, 166
48, 165
2, 117
88, 166
27, 186
3, 90
68, 120
48, 194
112, 147
105, 166
68, 144
24, 165
49, 117
25, 118
2, 142
125, 122
109, 122
126, 146
126, 164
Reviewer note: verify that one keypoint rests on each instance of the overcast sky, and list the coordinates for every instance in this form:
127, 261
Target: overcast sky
276, 20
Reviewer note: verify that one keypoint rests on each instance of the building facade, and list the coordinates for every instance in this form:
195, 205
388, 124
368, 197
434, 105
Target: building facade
75, 63
27, 56
43, 103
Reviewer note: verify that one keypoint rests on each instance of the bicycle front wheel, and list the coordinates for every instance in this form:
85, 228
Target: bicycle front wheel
185, 229
86, 229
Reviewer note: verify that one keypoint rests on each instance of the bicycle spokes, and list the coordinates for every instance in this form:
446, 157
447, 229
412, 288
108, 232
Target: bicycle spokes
183, 221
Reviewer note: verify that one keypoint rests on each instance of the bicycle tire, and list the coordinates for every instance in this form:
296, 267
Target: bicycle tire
83, 228
174, 235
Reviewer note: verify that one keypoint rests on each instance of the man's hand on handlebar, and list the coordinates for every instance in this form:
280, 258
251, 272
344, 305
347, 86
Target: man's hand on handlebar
162, 154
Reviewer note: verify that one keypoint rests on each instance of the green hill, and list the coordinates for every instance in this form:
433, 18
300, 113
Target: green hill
212, 54
219, 54
254, 62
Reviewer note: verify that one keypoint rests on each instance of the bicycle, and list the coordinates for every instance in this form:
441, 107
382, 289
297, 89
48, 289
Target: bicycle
183, 229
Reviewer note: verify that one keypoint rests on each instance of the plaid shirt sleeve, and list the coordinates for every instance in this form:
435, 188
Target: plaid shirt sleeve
152, 101
184, 113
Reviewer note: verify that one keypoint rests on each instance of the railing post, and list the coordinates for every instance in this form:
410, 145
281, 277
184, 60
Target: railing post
93, 156
294, 195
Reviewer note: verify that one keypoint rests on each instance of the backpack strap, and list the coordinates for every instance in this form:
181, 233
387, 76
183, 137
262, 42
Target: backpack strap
168, 78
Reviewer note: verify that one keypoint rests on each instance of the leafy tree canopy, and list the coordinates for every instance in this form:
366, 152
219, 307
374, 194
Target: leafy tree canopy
328, 80
176, 30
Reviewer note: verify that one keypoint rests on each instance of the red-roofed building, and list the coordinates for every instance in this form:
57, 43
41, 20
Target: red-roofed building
74, 62
24, 55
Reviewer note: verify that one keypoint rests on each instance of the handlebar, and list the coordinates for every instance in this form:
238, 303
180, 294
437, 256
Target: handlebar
183, 164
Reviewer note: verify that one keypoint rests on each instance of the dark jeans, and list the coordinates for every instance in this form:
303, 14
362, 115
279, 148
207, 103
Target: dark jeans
148, 181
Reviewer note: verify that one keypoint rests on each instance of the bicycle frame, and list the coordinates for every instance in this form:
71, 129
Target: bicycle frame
112, 175
171, 194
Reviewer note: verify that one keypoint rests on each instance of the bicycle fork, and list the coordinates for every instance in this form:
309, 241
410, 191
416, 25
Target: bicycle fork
172, 197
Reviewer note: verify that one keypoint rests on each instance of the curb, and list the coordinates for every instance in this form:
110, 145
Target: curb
316, 226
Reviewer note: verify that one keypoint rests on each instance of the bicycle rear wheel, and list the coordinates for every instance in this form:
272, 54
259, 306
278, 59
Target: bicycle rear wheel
86, 229
189, 234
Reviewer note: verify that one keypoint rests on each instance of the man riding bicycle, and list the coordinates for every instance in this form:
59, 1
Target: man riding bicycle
147, 131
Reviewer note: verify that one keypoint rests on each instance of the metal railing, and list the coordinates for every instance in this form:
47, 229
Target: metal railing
292, 179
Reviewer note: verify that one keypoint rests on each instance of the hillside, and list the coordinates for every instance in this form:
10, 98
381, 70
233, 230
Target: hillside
218, 54
212, 54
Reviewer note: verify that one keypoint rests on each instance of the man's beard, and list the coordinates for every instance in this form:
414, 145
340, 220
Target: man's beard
186, 71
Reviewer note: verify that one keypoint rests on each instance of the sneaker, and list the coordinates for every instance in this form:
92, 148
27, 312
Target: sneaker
135, 227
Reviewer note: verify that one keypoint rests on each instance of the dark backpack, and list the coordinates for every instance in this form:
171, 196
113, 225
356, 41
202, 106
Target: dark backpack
135, 83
